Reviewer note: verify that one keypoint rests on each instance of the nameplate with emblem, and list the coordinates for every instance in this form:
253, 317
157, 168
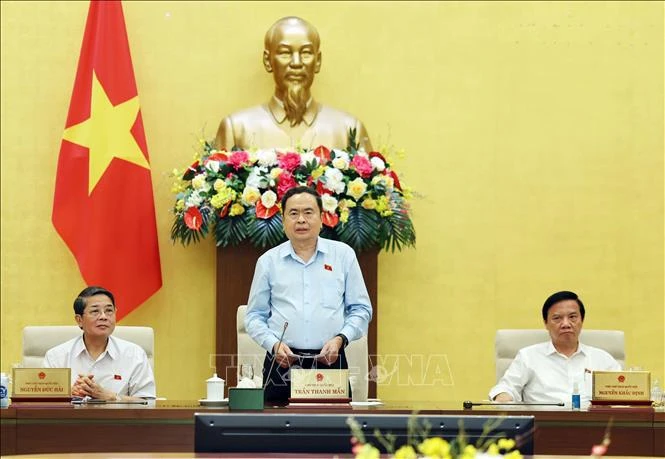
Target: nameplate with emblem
41, 383
317, 385
621, 387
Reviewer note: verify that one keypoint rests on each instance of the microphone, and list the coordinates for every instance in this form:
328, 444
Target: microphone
272, 365
468, 404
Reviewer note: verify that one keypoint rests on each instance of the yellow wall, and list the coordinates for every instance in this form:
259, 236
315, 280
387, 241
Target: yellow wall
533, 131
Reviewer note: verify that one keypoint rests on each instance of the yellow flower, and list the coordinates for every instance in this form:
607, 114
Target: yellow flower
406, 452
469, 452
250, 195
435, 447
368, 452
356, 188
369, 204
344, 215
222, 198
318, 172
199, 181
515, 454
493, 450
236, 209
180, 205
276, 172
219, 185
383, 206
178, 186
506, 444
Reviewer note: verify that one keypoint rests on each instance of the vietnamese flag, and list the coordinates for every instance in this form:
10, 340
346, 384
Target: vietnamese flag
103, 206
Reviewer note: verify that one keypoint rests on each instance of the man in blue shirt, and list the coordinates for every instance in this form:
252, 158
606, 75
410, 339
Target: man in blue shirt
316, 286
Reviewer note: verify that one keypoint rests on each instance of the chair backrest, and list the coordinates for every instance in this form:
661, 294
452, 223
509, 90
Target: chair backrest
39, 339
356, 354
509, 342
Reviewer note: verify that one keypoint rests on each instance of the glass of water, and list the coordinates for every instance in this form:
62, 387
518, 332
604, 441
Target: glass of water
247, 371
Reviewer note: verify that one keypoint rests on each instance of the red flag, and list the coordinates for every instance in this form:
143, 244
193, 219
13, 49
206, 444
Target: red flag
103, 206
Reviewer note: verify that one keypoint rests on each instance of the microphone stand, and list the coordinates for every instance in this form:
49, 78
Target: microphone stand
274, 357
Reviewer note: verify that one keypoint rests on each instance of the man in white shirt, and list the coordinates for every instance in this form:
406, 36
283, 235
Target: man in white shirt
547, 372
103, 367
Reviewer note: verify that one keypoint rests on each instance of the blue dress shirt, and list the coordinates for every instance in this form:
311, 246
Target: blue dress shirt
319, 298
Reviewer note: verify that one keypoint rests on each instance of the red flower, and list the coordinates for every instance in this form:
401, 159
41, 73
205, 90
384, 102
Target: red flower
217, 157
285, 183
362, 166
289, 161
376, 154
225, 210
191, 171
193, 218
238, 158
330, 219
395, 179
322, 153
265, 213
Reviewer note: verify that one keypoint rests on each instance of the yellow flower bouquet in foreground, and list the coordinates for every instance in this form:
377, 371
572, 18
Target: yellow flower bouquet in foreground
420, 445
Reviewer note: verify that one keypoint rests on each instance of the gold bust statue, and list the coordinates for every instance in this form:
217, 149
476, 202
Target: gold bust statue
291, 116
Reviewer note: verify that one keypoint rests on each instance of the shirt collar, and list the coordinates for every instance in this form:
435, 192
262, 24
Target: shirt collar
111, 347
581, 349
276, 107
322, 245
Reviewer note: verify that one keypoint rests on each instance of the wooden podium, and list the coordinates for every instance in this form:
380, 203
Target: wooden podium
235, 270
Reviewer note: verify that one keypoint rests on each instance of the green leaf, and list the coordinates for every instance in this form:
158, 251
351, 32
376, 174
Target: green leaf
181, 232
265, 232
360, 231
231, 230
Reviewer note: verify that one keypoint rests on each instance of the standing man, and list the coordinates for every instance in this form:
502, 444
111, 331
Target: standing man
316, 286
547, 372
103, 367
291, 117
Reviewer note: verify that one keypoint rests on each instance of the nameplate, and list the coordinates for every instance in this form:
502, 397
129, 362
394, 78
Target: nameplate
42, 383
315, 384
621, 386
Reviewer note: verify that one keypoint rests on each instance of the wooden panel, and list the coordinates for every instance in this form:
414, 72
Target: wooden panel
235, 270
38, 428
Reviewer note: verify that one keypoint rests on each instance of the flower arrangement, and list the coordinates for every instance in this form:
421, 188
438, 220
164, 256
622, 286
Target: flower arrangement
237, 195
420, 445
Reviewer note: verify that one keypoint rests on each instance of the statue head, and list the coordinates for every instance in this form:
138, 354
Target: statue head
291, 53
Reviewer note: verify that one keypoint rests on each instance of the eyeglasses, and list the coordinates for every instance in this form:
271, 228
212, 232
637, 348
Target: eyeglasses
307, 214
108, 312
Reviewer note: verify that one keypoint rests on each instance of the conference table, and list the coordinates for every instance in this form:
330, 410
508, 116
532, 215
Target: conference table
168, 426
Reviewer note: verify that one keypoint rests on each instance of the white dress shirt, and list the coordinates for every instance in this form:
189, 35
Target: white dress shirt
540, 374
319, 298
122, 368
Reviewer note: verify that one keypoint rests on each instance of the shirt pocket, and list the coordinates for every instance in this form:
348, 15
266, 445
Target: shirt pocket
332, 292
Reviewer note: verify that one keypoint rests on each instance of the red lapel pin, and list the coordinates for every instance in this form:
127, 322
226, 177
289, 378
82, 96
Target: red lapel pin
327, 267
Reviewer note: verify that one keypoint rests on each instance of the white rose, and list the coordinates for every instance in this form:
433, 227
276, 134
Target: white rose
268, 199
362, 152
378, 164
213, 166
250, 195
334, 180
199, 181
340, 163
341, 154
266, 157
255, 179
194, 200
329, 203
308, 157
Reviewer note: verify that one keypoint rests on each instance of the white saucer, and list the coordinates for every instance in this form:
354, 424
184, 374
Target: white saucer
206, 402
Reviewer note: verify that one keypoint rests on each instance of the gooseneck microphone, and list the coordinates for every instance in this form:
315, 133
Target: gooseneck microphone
274, 356
468, 404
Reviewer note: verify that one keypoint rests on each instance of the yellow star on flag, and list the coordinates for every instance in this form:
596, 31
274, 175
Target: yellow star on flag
107, 133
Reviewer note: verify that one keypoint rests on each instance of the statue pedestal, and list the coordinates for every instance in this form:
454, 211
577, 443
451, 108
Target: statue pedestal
235, 270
